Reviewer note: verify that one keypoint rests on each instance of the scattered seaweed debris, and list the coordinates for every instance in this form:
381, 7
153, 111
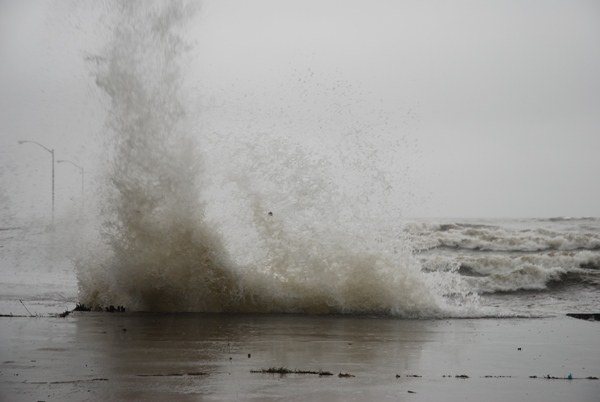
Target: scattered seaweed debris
569, 377
192, 374
108, 309
346, 375
284, 371
585, 316
81, 307
66, 382
113, 309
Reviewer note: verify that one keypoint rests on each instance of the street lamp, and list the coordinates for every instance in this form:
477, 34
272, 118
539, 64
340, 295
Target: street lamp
81, 170
52, 153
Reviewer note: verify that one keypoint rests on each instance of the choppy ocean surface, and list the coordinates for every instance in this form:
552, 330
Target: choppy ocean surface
524, 267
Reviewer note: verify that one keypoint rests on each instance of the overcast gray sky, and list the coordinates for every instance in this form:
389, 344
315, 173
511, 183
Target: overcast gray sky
498, 101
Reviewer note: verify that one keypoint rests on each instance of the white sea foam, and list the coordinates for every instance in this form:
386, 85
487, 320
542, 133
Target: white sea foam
494, 238
495, 268
525, 277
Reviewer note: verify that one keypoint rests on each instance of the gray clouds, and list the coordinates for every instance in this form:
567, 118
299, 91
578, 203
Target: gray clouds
506, 94
503, 97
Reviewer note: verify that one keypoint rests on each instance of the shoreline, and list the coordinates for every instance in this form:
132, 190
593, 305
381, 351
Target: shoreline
145, 356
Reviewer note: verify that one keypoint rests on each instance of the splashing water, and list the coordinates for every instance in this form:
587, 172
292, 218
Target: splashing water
279, 226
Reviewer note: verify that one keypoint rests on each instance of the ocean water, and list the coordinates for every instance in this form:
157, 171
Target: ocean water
475, 268
195, 213
522, 266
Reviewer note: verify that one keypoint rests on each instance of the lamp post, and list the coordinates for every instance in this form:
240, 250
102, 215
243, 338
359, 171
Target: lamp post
81, 170
51, 153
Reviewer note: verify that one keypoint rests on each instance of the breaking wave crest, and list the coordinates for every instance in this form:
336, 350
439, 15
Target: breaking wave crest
278, 226
481, 237
508, 258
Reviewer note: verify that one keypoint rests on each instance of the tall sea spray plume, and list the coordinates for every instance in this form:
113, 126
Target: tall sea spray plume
302, 230
160, 255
